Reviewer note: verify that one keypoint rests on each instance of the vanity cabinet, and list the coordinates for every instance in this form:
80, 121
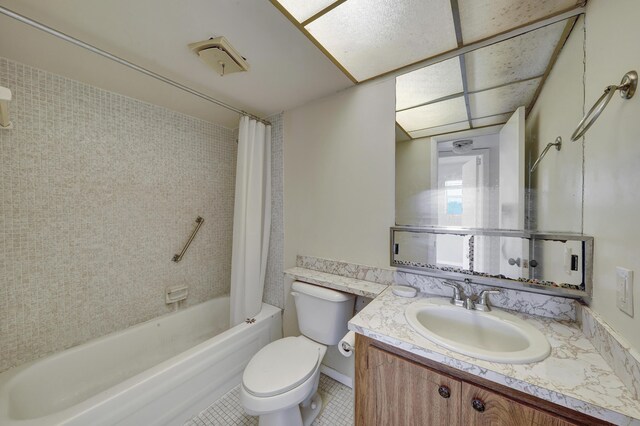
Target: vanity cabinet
397, 388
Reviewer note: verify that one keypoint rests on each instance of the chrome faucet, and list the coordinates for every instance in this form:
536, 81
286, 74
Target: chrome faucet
458, 293
468, 302
483, 300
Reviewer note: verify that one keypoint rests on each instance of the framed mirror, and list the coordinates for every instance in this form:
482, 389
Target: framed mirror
549, 263
485, 170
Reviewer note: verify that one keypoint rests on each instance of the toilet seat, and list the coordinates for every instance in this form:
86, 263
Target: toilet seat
281, 366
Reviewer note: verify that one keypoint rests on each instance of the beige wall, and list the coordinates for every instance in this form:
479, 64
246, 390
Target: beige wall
557, 182
339, 184
97, 193
612, 155
339, 176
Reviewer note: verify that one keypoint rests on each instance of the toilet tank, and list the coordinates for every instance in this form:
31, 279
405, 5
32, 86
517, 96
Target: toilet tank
323, 313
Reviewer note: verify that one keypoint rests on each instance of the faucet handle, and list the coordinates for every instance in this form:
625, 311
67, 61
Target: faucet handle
483, 301
456, 299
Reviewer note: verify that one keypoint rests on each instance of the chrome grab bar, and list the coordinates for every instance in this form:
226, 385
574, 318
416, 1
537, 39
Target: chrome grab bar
178, 257
627, 88
557, 144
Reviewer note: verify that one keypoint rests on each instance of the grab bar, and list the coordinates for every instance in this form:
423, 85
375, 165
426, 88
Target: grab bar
557, 144
178, 257
627, 88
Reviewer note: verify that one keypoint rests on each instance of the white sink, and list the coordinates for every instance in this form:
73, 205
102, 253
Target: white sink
492, 336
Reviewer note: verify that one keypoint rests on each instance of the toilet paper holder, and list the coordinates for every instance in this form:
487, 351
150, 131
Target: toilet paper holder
347, 346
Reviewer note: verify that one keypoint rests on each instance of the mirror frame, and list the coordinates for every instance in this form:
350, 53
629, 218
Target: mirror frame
585, 293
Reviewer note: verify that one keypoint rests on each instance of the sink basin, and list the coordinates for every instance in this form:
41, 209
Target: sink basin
492, 336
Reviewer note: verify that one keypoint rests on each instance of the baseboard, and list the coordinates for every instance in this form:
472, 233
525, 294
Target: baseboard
336, 375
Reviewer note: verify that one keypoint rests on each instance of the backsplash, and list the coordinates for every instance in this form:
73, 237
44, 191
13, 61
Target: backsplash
98, 192
613, 348
559, 308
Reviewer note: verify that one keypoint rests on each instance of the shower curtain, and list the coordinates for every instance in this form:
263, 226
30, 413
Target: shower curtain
251, 219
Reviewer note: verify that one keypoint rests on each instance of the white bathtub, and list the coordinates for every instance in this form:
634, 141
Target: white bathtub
159, 372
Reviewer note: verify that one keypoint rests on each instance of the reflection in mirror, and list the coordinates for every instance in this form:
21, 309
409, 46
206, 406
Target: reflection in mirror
464, 149
552, 263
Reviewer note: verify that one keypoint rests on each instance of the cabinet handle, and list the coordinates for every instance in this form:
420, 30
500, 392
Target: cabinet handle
444, 392
478, 405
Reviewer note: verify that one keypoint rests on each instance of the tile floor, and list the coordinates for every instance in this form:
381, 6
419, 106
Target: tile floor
337, 408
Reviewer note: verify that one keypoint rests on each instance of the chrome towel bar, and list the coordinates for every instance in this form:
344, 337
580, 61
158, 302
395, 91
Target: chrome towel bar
557, 144
199, 222
627, 88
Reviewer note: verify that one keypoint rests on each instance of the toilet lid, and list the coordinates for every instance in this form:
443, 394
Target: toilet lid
281, 366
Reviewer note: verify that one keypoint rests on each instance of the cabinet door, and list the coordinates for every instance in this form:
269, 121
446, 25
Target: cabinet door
483, 407
400, 392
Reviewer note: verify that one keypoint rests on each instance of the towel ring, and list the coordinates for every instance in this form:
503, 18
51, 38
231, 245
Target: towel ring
627, 88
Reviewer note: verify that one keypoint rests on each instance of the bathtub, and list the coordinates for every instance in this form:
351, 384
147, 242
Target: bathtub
160, 372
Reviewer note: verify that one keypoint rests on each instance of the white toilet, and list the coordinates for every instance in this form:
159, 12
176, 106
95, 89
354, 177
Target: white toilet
280, 382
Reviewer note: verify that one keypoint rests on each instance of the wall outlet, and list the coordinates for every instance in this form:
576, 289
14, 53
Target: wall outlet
568, 253
624, 290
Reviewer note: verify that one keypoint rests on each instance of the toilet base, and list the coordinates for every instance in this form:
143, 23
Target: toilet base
298, 415
310, 409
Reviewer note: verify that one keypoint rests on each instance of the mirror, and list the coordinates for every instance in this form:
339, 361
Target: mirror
488, 183
548, 263
470, 128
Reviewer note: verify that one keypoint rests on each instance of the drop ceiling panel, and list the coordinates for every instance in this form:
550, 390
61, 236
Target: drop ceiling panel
490, 121
480, 19
428, 84
303, 10
436, 114
455, 127
518, 58
371, 37
503, 99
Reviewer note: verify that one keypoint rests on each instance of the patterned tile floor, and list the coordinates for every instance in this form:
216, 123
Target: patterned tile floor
337, 408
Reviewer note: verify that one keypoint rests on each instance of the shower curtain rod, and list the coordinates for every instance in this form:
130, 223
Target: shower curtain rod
80, 43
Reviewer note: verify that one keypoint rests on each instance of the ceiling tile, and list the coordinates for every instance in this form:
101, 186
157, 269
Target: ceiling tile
436, 114
428, 84
502, 99
371, 37
455, 127
303, 10
490, 121
480, 19
515, 59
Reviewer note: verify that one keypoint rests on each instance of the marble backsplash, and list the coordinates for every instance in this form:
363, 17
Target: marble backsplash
559, 308
614, 349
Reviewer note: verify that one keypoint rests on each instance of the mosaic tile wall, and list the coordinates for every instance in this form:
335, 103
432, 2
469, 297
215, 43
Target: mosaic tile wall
97, 193
274, 281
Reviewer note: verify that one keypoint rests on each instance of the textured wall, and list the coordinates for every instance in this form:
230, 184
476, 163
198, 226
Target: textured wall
97, 192
274, 282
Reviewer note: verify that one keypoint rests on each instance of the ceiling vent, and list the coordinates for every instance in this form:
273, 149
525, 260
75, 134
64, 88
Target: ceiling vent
462, 146
220, 55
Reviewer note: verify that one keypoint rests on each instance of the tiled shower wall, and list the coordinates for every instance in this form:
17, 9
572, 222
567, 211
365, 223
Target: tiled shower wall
97, 193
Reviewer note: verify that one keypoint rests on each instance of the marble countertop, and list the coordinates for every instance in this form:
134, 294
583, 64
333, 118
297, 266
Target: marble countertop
575, 375
337, 282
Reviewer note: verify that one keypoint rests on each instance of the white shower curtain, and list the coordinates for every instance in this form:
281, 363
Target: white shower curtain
251, 219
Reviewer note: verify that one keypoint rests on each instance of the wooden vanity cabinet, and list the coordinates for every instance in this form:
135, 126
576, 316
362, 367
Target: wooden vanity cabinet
397, 388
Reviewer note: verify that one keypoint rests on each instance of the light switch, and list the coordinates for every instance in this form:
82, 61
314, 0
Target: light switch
624, 290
